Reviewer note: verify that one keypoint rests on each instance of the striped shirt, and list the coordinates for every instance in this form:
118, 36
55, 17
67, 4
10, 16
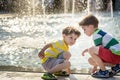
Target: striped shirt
102, 38
57, 48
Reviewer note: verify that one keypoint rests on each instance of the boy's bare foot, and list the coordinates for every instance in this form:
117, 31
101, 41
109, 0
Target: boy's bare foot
94, 69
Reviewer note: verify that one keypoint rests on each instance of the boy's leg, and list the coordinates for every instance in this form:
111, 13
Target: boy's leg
102, 73
47, 66
91, 62
54, 65
59, 67
68, 70
67, 56
94, 51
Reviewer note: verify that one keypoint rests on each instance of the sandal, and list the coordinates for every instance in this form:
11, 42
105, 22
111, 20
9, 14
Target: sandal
48, 76
61, 73
115, 69
101, 74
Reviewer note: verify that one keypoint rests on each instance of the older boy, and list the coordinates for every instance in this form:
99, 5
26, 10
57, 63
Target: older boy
55, 56
106, 51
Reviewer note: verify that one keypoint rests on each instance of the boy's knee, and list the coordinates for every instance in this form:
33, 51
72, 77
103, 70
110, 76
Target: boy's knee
93, 50
67, 55
90, 60
67, 63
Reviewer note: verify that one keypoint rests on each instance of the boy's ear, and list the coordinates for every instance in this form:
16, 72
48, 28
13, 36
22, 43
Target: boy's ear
63, 35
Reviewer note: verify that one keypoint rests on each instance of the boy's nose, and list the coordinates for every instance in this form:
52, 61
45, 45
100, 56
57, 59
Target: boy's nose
73, 41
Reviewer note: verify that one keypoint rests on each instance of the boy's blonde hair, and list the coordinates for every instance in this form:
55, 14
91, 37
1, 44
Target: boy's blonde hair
89, 20
70, 30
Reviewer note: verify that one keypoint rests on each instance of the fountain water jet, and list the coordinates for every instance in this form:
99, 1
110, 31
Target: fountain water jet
33, 10
44, 20
73, 7
111, 9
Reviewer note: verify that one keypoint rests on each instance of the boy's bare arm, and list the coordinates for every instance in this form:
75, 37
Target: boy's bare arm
83, 53
41, 53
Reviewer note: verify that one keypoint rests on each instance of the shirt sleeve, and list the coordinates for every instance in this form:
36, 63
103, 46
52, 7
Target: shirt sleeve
97, 39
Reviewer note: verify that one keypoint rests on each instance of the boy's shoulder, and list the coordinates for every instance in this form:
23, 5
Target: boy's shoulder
57, 41
100, 32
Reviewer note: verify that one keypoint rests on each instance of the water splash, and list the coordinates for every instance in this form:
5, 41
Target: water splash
22, 38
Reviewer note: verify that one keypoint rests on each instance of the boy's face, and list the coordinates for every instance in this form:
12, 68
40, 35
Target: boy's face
70, 39
88, 29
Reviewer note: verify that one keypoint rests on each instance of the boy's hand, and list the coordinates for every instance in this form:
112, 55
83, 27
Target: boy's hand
41, 54
83, 53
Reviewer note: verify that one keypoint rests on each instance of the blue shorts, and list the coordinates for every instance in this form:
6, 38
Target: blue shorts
52, 62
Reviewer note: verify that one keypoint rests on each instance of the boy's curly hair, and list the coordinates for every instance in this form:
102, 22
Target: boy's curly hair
70, 30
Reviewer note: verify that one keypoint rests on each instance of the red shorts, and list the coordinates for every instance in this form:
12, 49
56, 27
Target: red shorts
107, 56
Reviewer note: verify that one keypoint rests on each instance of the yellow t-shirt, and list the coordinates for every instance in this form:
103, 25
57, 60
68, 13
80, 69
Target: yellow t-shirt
53, 52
